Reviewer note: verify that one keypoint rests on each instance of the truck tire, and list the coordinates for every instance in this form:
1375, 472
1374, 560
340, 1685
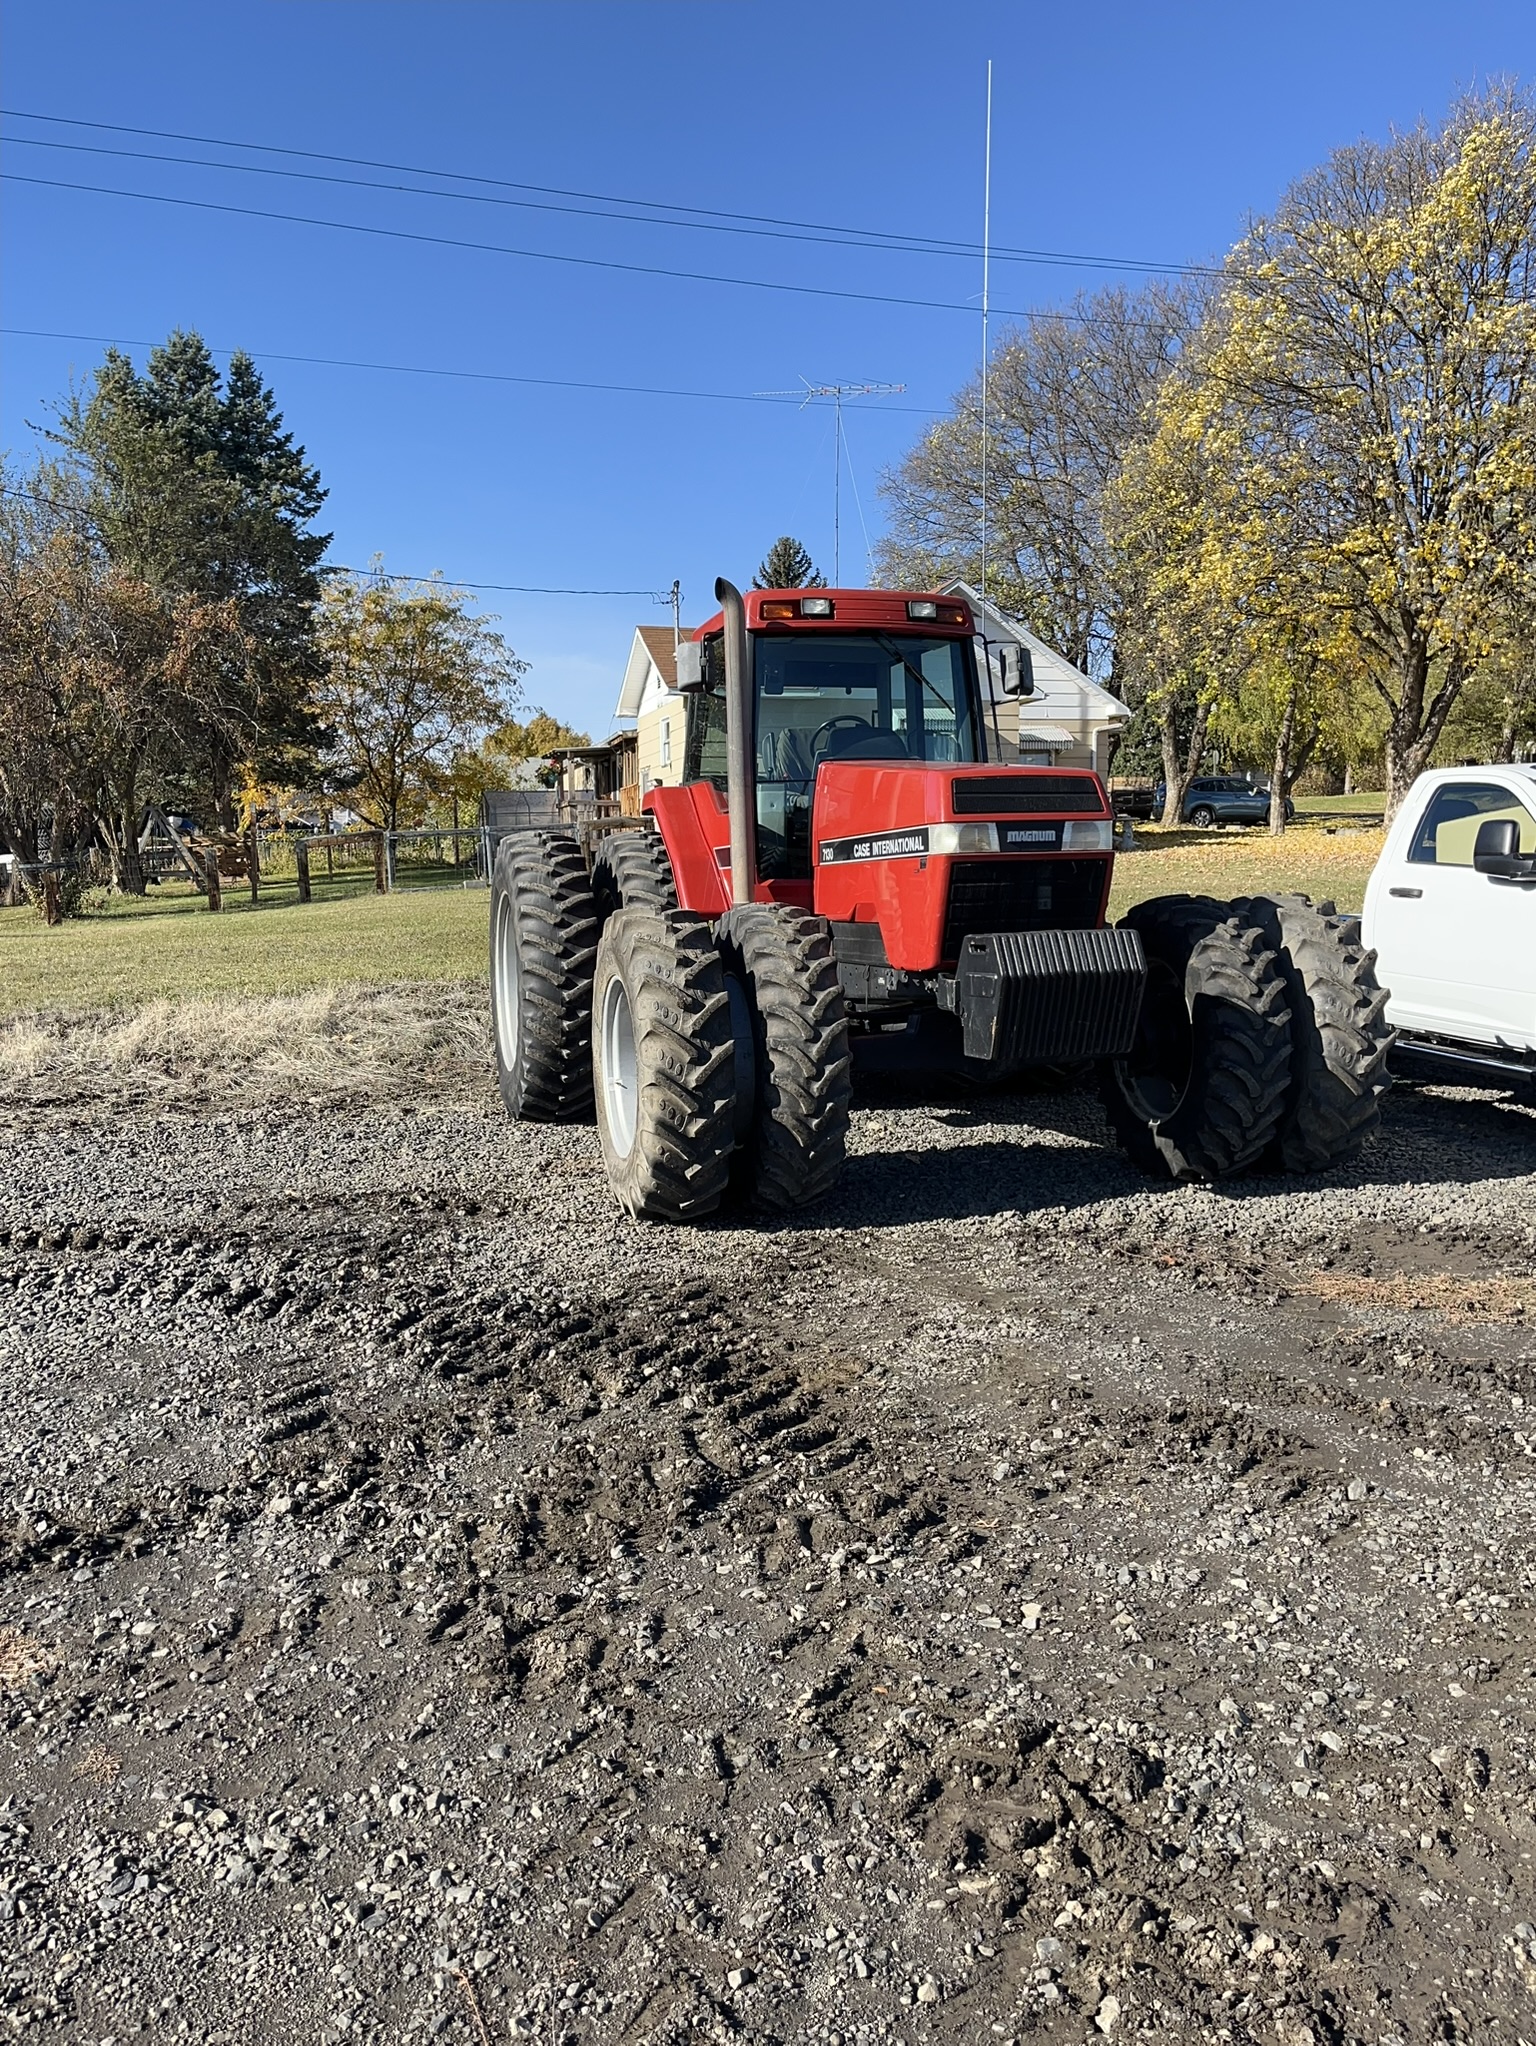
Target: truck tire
1340, 1036
794, 1089
543, 946
1203, 1090
663, 1064
630, 869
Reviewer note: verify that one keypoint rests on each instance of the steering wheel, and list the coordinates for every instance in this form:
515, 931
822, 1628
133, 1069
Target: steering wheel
845, 721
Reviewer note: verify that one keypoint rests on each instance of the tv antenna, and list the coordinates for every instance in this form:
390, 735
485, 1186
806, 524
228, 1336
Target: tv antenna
837, 393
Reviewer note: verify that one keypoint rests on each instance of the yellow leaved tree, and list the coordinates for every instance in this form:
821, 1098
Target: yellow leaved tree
1366, 393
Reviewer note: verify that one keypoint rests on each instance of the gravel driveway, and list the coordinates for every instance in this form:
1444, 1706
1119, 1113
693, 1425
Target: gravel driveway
1014, 1602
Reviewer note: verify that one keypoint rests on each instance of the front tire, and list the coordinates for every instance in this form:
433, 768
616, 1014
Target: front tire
1203, 1090
543, 946
664, 1064
1340, 1036
793, 1125
1203, 818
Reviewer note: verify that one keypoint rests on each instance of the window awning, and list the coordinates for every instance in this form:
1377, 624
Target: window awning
1050, 735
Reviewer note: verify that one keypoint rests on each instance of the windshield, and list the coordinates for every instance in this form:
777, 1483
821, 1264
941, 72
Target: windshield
823, 696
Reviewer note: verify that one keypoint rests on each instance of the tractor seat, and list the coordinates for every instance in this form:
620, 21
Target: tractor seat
785, 755
862, 743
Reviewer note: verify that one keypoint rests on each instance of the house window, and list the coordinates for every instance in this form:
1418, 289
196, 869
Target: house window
666, 742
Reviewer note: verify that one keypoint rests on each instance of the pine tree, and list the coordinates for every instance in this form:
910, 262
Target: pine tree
197, 487
787, 566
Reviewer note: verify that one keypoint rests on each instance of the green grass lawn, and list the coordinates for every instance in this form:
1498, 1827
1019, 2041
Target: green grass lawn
1362, 807
1307, 860
168, 944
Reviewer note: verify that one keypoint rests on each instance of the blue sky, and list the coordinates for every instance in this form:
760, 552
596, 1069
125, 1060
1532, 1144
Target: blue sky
1119, 130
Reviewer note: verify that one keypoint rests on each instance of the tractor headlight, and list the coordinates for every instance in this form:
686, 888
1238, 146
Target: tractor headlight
1088, 834
962, 838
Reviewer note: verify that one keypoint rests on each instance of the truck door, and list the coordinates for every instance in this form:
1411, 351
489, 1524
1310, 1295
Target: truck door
1456, 947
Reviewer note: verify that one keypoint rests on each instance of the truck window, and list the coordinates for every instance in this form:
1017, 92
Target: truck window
1447, 832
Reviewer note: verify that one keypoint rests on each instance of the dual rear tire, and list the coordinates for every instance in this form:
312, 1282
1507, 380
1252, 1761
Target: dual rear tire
717, 1059
1262, 1043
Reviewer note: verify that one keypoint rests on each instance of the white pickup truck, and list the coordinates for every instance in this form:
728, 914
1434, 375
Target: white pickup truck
1451, 913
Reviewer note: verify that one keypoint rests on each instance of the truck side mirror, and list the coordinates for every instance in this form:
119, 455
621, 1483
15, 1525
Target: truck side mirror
1017, 669
690, 667
1496, 851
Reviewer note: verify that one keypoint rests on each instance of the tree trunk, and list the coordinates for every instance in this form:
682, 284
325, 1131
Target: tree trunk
1280, 780
1181, 767
1172, 794
128, 868
223, 794
1418, 722
1516, 710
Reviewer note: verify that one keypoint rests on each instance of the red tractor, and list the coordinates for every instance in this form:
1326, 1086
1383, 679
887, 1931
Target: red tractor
848, 872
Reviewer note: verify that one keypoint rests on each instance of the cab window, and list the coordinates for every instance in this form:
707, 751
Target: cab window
1447, 832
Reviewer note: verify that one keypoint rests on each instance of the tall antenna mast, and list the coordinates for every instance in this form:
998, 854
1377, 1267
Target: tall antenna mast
986, 310
676, 595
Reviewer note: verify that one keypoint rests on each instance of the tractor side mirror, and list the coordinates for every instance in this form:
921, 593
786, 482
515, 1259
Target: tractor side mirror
1016, 668
1497, 851
690, 666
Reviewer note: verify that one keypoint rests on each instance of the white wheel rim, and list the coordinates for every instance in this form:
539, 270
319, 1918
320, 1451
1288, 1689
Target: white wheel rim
508, 987
620, 1075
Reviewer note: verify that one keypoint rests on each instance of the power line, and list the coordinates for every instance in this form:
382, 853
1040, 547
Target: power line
828, 239
401, 234
379, 574
470, 375
517, 589
706, 217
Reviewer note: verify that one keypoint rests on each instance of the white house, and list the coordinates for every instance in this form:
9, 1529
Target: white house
649, 696
1069, 721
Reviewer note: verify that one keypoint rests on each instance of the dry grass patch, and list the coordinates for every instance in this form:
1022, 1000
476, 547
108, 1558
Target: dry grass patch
1458, 1299
331, 1045
21, 1659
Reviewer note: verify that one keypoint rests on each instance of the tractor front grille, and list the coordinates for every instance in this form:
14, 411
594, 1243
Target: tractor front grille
1021, 895
1027, 794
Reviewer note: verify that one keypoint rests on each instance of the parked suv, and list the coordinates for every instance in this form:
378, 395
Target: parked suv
1223, 799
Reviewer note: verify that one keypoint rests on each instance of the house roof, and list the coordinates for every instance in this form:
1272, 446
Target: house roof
652, 650
662, 648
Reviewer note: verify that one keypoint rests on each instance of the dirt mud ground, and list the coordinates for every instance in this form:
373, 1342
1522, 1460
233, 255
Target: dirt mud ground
1015, 1602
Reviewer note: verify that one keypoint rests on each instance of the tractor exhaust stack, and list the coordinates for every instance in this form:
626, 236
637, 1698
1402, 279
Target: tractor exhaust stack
740, 744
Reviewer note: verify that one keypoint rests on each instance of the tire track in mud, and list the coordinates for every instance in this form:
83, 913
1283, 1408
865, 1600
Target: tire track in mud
780, 1673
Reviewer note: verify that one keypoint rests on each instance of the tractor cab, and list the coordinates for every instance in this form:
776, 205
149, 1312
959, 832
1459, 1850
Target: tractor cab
837, 675
874, 787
